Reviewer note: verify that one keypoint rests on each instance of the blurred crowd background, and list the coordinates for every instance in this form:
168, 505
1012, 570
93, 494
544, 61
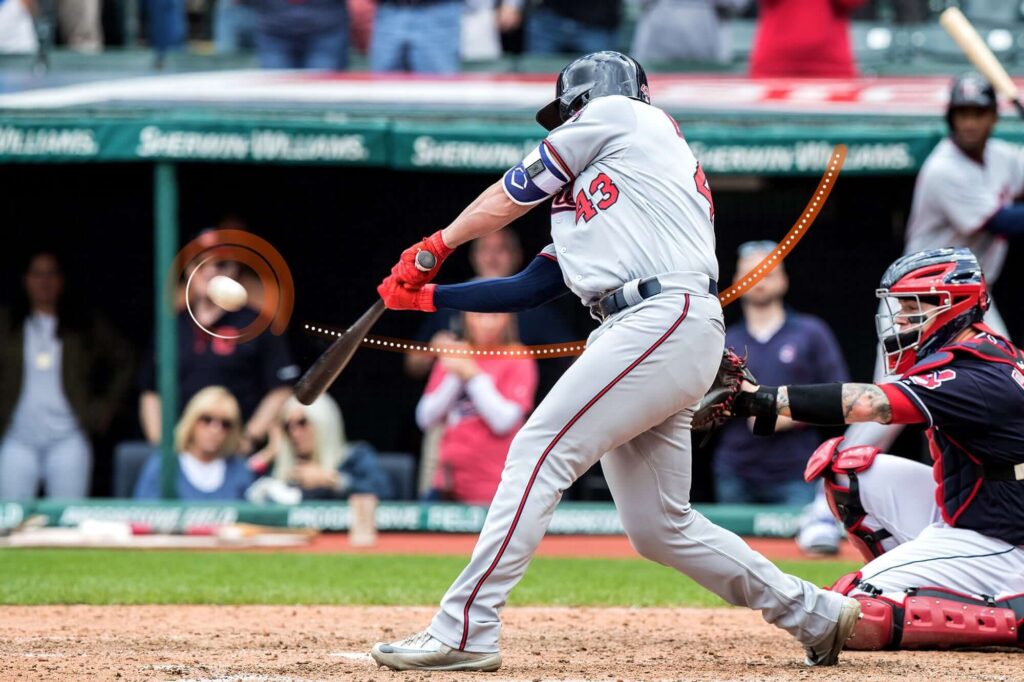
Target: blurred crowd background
79, 409
441, 36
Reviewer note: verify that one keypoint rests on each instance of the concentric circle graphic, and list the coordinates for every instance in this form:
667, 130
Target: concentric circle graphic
246, 249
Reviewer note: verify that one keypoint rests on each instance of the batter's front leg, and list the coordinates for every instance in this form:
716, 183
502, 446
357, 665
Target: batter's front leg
649, 479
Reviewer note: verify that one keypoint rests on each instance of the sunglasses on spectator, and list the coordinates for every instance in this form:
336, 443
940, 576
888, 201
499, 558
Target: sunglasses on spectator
301, 422
225, 424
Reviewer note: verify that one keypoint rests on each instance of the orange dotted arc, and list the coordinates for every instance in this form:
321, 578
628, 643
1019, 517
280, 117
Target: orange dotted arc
573, 348
795, 234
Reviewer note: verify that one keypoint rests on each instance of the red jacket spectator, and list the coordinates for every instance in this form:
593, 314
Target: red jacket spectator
482, 402
804, 38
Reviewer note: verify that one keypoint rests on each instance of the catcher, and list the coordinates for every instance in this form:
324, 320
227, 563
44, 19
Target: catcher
944, 545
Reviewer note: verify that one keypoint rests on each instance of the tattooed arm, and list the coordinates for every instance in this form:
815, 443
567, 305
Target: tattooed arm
860, 403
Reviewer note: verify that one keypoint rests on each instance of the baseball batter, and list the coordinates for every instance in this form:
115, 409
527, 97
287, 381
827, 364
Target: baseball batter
632, 224
944, 544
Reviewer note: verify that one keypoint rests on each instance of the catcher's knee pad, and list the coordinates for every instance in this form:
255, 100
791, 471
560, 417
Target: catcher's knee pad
827, 461
936, 618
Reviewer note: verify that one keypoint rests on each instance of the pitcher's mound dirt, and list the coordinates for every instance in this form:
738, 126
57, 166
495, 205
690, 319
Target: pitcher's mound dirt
279, 644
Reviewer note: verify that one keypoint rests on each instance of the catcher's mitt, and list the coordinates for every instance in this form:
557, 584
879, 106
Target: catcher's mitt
717, 404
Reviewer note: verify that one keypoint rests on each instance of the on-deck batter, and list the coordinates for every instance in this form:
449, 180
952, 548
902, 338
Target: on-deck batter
633, 229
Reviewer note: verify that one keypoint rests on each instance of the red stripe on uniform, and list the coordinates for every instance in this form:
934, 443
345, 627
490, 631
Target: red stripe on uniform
544, 455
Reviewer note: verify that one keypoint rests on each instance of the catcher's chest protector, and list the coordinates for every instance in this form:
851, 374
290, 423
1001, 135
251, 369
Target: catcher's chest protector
973, 393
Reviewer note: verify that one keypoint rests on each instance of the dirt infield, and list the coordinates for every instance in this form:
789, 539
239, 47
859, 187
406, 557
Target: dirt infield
279, 644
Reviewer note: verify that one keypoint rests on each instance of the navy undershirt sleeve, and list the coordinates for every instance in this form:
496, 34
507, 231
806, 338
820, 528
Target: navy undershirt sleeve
1007, 221
539, 283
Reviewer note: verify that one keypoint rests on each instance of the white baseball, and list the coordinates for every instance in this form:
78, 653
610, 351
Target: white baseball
227, 293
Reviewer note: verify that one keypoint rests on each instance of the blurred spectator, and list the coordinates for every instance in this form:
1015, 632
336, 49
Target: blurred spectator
565, 26
314, 456
234, 26
422, 36
80, 24
63, 375
258, 373
809, 38
17, 30
302, 34
482, 402
684, 29
494, 255
207, 438
783, 346
360, 20
480, 38
166, 25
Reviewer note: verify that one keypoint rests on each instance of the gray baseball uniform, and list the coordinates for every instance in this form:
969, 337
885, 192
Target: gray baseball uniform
631, 203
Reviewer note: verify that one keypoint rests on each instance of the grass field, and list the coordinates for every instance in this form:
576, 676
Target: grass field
146, 577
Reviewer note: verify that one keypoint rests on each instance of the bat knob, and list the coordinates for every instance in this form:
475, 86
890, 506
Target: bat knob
425, 261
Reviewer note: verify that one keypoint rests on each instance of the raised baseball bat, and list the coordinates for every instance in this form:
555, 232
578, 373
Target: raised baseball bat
328, 366
965, 35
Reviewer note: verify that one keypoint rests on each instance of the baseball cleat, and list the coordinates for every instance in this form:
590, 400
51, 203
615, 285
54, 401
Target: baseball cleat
423, 652
827, 653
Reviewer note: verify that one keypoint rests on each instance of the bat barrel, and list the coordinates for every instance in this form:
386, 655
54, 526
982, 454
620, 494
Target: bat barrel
328, 366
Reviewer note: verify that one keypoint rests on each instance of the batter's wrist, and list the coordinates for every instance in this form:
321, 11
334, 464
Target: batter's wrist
438, 245
425, 298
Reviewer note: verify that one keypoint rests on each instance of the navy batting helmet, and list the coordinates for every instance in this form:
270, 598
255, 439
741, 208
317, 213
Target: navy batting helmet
598, 74
970, 90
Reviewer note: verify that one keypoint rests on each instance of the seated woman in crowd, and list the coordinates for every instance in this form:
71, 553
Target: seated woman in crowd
482, 401
314, 456
207, 437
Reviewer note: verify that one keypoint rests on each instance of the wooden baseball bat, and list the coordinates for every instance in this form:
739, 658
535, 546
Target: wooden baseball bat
961, 30
328, 366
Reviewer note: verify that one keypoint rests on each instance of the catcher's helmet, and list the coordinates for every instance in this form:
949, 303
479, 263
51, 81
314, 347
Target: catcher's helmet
598, 74
949, 279
970, 90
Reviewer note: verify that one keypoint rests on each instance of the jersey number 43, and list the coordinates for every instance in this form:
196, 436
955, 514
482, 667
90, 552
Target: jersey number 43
603, 195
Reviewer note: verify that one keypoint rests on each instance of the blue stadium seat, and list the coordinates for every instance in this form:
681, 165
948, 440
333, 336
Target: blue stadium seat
401, 467
129, 456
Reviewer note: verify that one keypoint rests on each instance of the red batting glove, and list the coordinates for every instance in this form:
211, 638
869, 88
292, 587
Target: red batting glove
406, 272
399, 297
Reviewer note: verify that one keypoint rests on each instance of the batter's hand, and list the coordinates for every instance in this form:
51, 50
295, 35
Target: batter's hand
399, 297
406, 272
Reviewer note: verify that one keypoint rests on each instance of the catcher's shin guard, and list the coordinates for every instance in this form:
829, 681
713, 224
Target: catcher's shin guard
936, 618
827, 461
